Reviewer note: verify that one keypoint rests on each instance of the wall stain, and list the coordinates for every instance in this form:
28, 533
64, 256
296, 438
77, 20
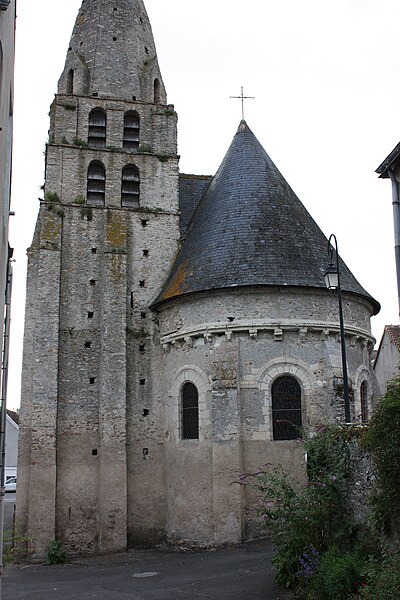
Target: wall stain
116, 229
51, 228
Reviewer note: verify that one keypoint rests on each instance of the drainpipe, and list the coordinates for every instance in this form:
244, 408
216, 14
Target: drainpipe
3, 414
396, 222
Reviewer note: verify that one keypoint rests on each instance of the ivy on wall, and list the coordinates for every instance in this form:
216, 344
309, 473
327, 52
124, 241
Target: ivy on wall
382, 439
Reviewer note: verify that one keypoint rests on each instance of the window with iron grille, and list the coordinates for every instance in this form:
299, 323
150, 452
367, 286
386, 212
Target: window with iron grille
96, 184
97, 128
364, 402
286, 408
130, 187
131, 130
190, 411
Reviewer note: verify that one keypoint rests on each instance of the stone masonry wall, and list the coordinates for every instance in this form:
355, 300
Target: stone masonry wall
100, 403
232, 346
112, 52
38, 424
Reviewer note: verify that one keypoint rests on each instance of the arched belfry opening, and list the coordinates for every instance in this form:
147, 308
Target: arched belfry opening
130, 186
157, 91
97, 128
96, 184
131, 130
70, 82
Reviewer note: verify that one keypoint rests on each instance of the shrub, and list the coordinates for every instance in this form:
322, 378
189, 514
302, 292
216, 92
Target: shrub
382, 581
304, 522
56, 553
319, 550
14, 547
144, 149
52, 197
79, 142
327, 453
383, 440
300, 519
338, 575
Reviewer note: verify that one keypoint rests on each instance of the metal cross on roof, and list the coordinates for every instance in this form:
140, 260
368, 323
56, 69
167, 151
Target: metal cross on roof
242, 97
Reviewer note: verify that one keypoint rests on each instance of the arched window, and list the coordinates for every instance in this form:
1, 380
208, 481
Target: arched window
97, 128
131, 130
96, 184
286, 408
190, 411
157, 91
364, 402
130, 187
70, 82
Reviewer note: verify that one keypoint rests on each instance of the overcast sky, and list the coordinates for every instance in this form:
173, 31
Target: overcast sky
325, 77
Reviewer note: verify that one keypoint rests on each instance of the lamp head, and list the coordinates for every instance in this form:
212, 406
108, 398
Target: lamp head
331, 277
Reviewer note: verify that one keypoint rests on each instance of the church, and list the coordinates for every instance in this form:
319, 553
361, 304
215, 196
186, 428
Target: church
178, 329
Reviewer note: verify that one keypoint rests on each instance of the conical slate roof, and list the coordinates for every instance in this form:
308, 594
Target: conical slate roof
112, 53
250, 229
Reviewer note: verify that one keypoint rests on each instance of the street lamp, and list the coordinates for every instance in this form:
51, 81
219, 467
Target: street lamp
332, 280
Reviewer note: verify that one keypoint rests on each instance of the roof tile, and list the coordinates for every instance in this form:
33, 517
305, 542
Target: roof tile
250, 229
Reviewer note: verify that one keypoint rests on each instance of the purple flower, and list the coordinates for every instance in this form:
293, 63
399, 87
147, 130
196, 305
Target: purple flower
309, 563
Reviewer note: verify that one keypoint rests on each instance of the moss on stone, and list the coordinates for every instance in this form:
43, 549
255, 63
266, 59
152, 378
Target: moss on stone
116, 230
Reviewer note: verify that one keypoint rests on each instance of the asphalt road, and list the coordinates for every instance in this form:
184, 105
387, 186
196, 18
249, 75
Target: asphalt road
241, 573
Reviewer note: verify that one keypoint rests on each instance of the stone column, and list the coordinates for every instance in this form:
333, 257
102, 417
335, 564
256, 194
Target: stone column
226, 450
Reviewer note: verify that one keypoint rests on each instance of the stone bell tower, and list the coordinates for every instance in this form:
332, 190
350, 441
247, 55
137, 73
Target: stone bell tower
106, 233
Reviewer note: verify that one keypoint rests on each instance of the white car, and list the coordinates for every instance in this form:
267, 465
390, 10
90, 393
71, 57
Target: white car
11, 484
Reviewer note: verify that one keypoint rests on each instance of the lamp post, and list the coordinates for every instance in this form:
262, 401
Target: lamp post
332, 280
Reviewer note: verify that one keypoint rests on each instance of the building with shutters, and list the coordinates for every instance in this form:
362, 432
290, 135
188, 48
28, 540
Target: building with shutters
178, 329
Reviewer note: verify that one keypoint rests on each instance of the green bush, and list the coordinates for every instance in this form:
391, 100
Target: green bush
383, 440
56, 553
327, 453
308, 525
319, 550
338, 575
52, 197
382, 581
13, 547
79, 142
301, 518
80, 200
